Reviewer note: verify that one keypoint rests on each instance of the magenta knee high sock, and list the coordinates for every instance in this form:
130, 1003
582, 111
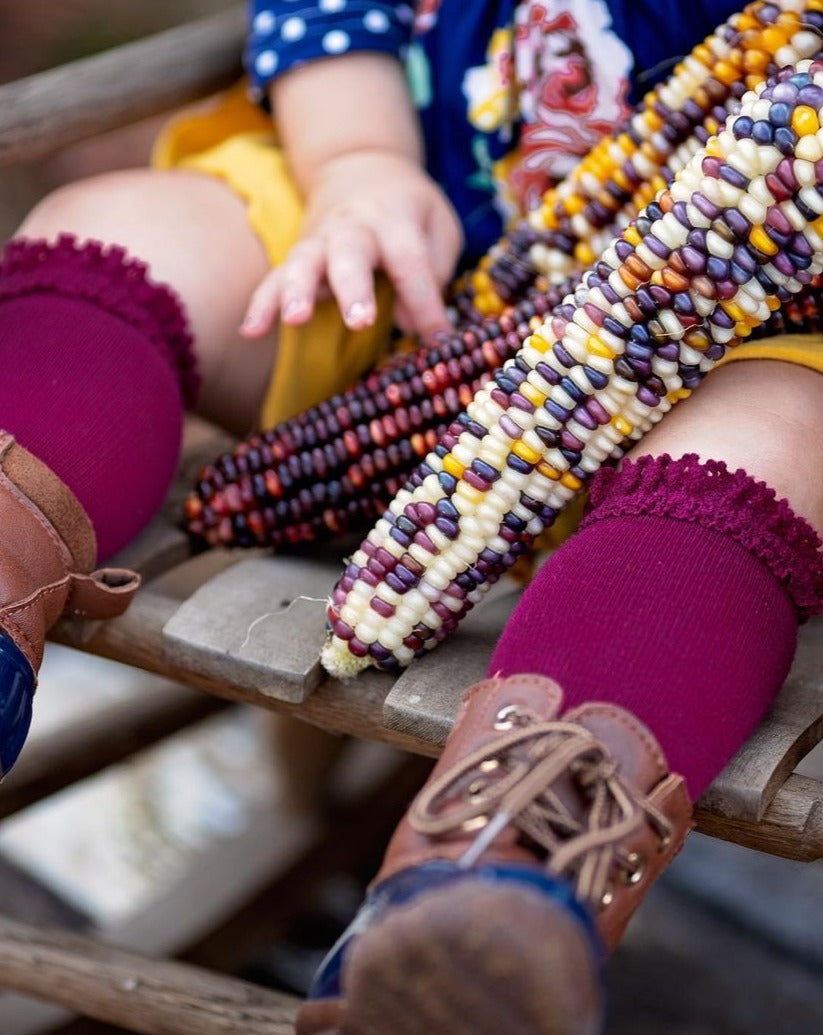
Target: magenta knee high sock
97, 366
679, 599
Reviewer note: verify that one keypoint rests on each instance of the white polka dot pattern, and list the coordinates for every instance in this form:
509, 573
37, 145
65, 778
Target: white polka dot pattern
263, 23
288, 33
376, 21
336, 41
266, 62
293, 29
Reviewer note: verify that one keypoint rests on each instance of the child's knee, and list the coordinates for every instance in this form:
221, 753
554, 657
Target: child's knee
763, 416
90, 208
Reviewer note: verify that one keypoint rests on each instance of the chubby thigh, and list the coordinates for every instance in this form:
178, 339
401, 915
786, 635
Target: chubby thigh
764, 416
192, 232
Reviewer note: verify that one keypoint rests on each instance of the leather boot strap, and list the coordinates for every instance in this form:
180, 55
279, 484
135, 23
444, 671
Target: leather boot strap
105, 593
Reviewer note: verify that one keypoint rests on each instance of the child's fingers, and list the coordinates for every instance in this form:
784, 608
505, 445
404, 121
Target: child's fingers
262, 307
301, 275
406, 260
403, 319
445, 238
290, 289
351, 258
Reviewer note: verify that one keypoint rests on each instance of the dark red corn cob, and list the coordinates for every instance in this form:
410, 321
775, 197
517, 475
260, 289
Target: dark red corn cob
333, 468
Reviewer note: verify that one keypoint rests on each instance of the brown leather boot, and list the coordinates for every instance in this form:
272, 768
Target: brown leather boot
521, 860
47, 551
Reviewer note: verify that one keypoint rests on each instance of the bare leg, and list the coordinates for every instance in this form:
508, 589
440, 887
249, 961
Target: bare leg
764, 416
192, 232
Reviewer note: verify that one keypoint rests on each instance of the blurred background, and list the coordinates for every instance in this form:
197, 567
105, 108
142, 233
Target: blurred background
730, 942
39, 34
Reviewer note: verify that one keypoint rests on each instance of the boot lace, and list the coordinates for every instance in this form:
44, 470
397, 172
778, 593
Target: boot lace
559, 786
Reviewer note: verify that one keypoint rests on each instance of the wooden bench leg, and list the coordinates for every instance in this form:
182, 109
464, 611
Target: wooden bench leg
151, 997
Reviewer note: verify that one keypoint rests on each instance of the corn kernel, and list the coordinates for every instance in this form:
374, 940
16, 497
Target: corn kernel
547, 471
571, 481
761, 240
519, 448
453, 466
805, 120
534, 396
598, 347
621, 425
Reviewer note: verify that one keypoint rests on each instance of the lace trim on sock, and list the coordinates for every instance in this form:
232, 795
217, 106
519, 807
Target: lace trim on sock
731, 502
108, 277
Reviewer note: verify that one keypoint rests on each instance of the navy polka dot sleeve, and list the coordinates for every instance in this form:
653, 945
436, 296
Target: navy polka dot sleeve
287, 33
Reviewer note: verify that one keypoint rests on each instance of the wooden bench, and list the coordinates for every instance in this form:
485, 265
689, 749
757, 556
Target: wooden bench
262, 649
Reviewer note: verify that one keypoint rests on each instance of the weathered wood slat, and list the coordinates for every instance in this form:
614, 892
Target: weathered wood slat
260, 623
136, 638
424, 701
44, 112
269, 641
141, 995
247, 627
792, 825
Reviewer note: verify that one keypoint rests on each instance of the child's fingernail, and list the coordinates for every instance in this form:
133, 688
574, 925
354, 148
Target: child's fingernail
359, 314
295, 309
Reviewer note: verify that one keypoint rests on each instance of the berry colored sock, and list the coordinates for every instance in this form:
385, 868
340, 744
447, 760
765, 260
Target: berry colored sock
679, 599
97, 367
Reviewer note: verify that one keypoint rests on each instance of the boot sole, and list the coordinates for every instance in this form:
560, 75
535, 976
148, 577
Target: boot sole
468, 960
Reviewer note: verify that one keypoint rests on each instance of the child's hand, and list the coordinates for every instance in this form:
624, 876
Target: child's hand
365, 211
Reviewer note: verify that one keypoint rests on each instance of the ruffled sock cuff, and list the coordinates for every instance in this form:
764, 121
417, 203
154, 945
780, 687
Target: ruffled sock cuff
107, 277
732, 503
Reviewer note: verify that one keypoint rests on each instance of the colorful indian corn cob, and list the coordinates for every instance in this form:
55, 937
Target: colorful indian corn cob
738, 232
622, 173
335, 467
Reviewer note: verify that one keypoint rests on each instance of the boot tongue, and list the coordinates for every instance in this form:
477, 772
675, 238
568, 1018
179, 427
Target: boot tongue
498, 705
641, 763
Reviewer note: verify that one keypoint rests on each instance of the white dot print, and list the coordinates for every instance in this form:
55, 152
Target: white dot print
336, 41
331, 6
263, 23
293, 29
376, 21
265, 63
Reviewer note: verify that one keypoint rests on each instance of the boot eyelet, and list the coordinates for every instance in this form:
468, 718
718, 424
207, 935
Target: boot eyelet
512, 715
489, 765
475, 789
606, 899
476, 823
635, 870
663, 843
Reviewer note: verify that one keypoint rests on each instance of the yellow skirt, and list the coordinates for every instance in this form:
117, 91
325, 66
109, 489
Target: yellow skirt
236, 141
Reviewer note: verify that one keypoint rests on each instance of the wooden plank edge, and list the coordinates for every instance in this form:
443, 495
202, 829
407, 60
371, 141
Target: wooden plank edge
143, 995
791, 827
40, 114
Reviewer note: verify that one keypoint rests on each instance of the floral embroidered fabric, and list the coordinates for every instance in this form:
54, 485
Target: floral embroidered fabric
510, 94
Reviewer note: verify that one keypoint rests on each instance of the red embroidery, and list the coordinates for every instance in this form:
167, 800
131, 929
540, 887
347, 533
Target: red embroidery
572, 72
